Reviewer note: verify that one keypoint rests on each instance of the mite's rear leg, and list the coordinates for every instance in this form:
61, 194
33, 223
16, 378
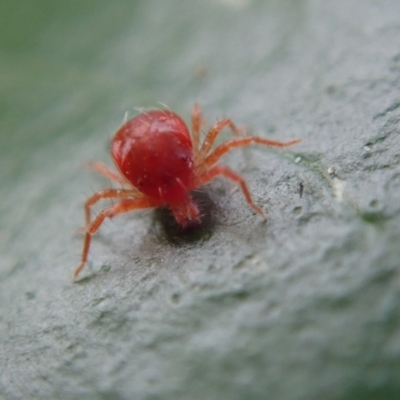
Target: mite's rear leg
123, 206
224, 148
222, 170
211, 137
197, 122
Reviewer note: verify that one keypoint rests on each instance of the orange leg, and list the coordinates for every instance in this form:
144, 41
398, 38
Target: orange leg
107, 172
212, 136
197, 121
123, 206
222, 170
215, 155
106, 194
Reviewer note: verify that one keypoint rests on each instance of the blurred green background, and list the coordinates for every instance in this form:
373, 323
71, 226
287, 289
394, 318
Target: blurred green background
305, 306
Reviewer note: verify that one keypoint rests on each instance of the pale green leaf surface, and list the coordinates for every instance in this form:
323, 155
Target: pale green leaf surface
304, 306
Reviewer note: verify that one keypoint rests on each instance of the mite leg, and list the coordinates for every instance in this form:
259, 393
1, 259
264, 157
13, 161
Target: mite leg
107, 172
221, 170
224, 148
123, 206
212, 136
106, 194
197, 121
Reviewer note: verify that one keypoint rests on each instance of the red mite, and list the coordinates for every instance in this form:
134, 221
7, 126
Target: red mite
160, 162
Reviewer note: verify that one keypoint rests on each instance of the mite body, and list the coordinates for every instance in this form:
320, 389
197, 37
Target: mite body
160, 162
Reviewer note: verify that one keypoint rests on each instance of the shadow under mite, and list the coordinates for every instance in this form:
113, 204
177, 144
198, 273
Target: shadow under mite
175, 233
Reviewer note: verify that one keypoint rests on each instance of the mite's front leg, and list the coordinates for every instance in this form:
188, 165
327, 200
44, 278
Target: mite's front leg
105, 194
123, 206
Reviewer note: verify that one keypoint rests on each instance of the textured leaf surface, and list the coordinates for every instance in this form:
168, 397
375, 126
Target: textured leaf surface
305, 306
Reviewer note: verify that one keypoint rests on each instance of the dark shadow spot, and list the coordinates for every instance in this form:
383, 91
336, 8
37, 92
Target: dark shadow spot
272, 129
175, 298
373, 217
83, 280
230, 297
176, 234
211, 268
301, 189
394, 106
331, 89
374, 203
30, 295
105, 268
241, 294
297, 210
